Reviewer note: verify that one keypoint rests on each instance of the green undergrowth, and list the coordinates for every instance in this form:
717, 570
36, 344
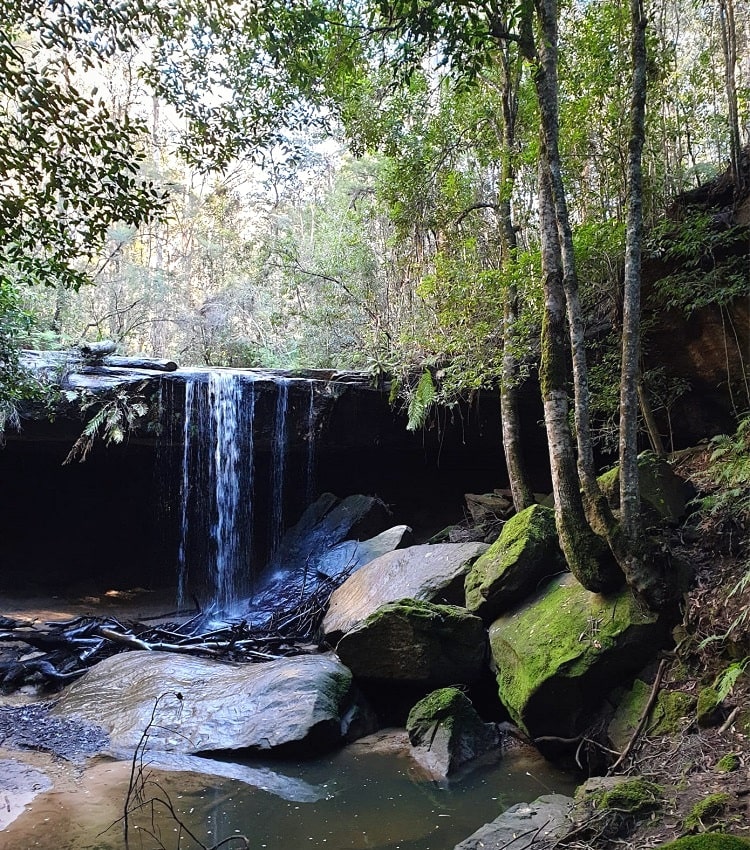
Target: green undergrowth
708, 841
706, 811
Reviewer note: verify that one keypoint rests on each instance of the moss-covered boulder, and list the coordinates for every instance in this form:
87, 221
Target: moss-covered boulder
446, 733
560, 653
416, 642
428, 573
709, 841
672, 712
664, 495
525, 553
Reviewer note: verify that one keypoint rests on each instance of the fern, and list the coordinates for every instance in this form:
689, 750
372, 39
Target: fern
728, 679
113, 420
421, 401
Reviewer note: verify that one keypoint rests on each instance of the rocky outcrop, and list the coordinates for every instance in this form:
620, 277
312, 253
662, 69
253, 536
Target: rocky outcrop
544, 821
558, 654
525, 553
446, 733
193, 705
664, 495
425, 573
417, 643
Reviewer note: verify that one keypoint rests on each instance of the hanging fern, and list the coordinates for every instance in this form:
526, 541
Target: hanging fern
421, 401
113, 420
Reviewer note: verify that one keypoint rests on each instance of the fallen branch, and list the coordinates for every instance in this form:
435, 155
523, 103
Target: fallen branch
643, 719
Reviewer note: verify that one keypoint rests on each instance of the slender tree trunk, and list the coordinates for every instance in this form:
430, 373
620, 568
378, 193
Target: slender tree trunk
629, 542
521, 491
729, 48
545, 78
587, 555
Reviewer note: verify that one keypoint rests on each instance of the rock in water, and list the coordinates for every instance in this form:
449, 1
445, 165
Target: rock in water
558, 654
540, 823
195, 705
418, 643
446, 733
426, 573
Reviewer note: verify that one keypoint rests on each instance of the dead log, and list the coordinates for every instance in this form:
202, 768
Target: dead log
140, 363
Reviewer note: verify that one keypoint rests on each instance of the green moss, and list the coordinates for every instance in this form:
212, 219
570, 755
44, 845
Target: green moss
445, 706
563, 634
708, 702
635, 796
662, 491
708, 809
525, 553
668, 716
728, 763
709, 841
416, 609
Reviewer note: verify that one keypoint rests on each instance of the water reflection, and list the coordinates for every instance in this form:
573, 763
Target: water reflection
371, 800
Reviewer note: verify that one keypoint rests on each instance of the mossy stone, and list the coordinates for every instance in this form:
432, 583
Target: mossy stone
728, 763
558, 654
707, 706
635, 796
525, 553
417, 642
663, 493
706, 811
708, 841
670, 714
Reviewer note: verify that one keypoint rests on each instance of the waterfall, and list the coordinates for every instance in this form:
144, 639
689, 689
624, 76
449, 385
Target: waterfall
217, 486
278, 464
310, 477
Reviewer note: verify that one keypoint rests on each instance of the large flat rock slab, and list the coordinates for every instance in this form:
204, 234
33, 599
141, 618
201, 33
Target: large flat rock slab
194, 705
426, 573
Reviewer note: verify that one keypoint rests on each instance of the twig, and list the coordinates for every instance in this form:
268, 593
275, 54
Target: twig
730, 720
644, 717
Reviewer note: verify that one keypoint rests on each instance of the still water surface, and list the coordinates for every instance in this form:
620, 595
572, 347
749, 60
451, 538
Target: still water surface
365, 800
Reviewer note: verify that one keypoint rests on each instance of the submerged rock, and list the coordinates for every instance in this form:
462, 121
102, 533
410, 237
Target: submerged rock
542, 822
446, 733
525, 553
416, 642
558, 654
426, 573
190, 705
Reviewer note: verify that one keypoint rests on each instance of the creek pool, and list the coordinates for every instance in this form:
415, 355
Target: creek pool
355, 799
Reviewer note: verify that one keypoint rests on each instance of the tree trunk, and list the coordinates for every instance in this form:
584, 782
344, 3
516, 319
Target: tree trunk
729, 48
587, 555
629, 544
545, 78
521, 491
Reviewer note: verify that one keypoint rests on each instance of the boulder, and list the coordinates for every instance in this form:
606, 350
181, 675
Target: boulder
350, 555
417, 643
446, 733
328, 522
542, 823
426, 573
664, 495
193, 705
525, 553
559, 653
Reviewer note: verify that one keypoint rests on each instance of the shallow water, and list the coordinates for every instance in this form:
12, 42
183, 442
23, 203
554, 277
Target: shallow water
368, 800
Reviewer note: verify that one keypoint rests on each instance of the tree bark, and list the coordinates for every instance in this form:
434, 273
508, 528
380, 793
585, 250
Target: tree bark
545, 78
729, 48
587, 555
521, 491
628, 543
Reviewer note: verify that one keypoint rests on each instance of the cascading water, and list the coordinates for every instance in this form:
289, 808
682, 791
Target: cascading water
310, 477
217, 481
278, 463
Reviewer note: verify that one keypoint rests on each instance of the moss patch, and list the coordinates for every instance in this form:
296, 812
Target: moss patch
525, 553
558, 655
709, 841
673, 711
706, 811
708, 703
635, 797
663, 493
446, 706
728, 763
